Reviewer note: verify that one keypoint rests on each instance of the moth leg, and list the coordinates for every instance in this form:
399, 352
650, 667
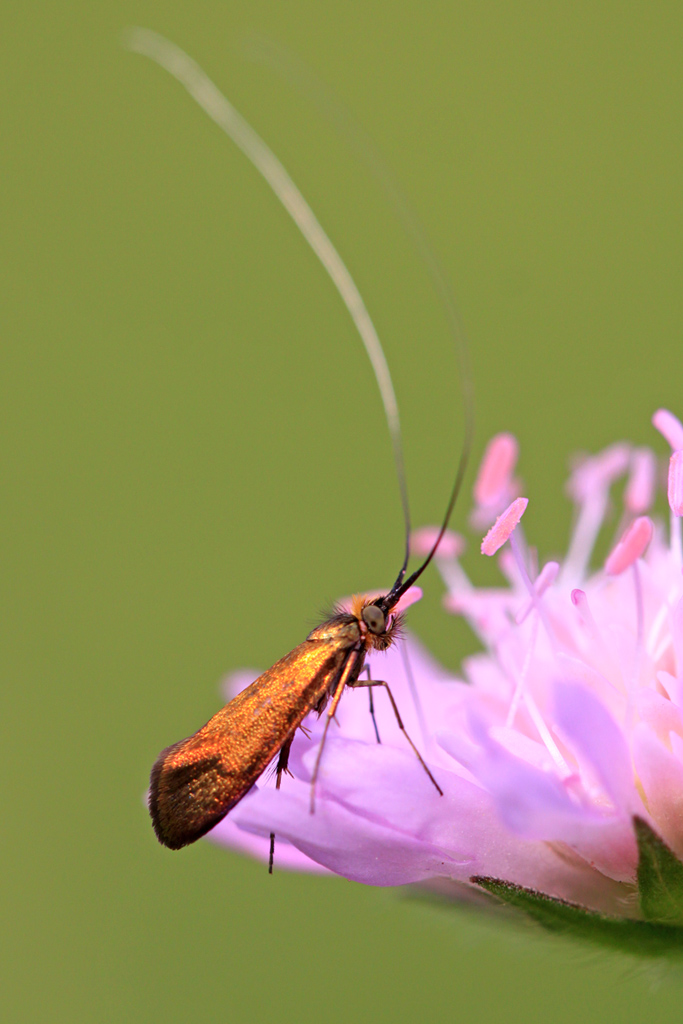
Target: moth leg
342, 680
399, 722
282, 762
372, 704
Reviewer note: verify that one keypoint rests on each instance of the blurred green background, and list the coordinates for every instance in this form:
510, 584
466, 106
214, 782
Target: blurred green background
194, 459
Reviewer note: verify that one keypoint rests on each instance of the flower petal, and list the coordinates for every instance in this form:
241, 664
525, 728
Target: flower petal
227, 833
661, 776
595, 737
339, 839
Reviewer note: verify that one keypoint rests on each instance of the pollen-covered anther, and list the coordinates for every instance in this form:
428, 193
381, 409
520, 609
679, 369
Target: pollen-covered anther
503, 526
640, 489
497, 466
593, 476
670, 427
631, 547
675, 485
423, 540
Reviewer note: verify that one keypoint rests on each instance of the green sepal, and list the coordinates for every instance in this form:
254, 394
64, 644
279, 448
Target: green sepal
643, 938
660, 877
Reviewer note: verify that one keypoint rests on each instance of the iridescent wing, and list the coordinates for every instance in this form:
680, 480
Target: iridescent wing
197, 781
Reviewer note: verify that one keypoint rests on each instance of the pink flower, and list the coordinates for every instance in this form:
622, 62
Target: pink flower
559, 752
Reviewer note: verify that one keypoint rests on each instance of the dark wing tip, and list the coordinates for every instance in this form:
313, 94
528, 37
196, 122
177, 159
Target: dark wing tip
179, 814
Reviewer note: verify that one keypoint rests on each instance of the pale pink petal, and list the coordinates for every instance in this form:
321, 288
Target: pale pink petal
662, 715
364, 841
537, 805
517, 743
227, 833
388, 785
340, 839
661, 776
672, 686
595, 737
484, 674
530, 802
676, 742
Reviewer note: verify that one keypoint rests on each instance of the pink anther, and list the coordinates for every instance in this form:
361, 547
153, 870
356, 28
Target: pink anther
422, 541
640, 489
580, 602
670, 427
631, 546
675, 488
503, 526
597, 472
496, 469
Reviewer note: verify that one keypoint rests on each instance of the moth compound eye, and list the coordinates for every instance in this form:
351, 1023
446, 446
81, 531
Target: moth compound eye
373, 618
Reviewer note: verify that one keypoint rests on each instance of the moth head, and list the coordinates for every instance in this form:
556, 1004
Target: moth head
374, 618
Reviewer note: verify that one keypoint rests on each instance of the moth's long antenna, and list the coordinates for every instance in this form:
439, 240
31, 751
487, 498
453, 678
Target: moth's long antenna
220, 110
317, 91
400, 586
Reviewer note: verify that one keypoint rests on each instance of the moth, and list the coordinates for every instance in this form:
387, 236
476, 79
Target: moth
197, 781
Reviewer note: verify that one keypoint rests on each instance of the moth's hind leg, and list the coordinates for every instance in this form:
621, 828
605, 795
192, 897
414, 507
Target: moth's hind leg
283, 760
370, 685
280, 769
380, 682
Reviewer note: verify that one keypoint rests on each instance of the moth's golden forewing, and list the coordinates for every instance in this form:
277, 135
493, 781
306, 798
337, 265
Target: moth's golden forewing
197, 781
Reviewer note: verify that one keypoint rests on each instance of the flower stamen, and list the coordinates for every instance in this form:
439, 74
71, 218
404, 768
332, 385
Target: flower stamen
504, 526
519, 688
670, 427
631, 547
544, 733
494, 484
589, 487
545, 579
640, 489
675, 483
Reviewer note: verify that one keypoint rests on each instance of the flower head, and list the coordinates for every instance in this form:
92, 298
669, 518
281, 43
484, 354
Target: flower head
559, 752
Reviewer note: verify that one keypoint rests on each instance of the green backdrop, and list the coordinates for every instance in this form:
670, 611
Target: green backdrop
194, 459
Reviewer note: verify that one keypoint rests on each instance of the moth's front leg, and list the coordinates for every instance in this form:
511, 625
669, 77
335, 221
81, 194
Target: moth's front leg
369, 682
